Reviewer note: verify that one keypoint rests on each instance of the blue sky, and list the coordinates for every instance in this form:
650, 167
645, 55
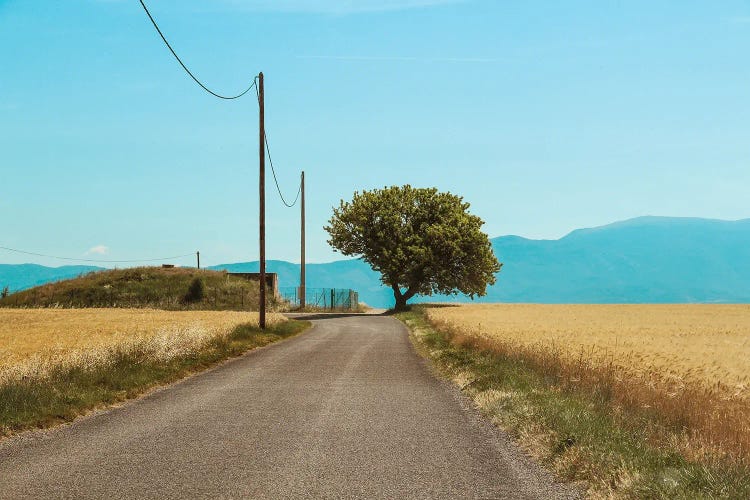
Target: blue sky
546, 116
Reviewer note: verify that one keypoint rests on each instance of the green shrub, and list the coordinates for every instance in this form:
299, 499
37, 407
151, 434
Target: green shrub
196, 291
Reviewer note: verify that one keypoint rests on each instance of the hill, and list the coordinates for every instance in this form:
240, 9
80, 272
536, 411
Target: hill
642, 260
141, 287
22, 276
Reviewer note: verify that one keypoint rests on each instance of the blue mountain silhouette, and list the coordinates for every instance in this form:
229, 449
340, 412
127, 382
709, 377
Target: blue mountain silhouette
642, 260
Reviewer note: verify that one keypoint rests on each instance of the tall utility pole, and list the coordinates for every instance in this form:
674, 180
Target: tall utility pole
262, 197
302, 290
198, 256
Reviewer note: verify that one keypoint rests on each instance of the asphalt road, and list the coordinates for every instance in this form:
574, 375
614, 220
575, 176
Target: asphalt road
346, 410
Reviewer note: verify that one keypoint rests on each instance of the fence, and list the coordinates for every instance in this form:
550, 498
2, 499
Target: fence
333, 299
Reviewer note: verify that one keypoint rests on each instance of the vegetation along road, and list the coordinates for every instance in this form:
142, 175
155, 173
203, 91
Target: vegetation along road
346, 410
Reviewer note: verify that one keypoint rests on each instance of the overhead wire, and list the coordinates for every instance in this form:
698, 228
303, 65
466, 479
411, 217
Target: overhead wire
276, 181
254, 84
215, 94
166, 42
273, 170
73, 259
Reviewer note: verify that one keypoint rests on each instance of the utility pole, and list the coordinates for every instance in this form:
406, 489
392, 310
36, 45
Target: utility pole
198, 256
302, 288
262, 199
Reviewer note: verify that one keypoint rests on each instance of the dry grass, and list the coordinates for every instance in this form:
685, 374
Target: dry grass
687, 365
32, 341
56, 364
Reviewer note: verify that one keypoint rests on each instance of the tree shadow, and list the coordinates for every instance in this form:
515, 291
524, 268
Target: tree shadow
323, 316
426, 305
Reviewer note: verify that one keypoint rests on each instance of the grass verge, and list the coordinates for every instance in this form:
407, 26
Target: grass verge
64, 392
579, 435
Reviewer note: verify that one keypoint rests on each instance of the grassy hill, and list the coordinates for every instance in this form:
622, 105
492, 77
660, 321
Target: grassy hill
142, 287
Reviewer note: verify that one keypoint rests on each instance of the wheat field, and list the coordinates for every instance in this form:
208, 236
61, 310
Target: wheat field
32, 340
689, 363
709, 344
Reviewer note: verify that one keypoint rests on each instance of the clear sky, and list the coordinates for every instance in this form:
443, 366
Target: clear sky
546, 116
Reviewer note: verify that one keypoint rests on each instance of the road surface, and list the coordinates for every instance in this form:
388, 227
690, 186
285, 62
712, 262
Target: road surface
346, 410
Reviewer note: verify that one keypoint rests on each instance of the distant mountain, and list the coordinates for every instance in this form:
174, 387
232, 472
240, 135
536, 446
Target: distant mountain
642, 260
22, 276
648, 259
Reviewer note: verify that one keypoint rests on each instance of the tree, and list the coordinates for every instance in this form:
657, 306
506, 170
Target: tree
4, 293
421, 241
195, 291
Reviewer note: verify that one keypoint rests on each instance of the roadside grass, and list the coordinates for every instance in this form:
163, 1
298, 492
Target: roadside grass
578, 434
687, 365
64, 391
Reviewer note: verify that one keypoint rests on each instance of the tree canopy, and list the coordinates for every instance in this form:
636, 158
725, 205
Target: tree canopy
420, 240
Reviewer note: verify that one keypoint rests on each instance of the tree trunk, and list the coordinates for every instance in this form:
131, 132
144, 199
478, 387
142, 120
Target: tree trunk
400, 303
401, 298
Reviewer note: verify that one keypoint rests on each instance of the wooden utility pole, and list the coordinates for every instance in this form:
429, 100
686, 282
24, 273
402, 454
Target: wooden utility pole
262, 198
302, 289
198, 256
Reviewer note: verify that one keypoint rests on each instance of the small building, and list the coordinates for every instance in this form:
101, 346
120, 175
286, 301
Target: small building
272, 281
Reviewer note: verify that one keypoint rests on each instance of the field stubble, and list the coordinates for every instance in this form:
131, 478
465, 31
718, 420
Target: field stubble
32, 340
685, 365
58, 363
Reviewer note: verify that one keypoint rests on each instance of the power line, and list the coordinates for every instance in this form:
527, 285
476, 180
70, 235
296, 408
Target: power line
273, 170
95, 260
254, 84
276, 181
185, 67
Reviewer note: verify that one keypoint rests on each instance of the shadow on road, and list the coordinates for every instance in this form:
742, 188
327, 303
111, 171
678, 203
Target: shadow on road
322, 316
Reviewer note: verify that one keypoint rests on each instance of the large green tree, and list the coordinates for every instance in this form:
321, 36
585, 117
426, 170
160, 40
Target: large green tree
421, 241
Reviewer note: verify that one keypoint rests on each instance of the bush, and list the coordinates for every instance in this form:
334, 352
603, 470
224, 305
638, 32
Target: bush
195, 292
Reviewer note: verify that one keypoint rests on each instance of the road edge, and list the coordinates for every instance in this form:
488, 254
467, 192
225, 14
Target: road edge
83, 415
525, 465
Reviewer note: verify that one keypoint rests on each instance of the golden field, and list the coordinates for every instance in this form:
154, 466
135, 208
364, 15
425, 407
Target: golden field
688, 363
33, 339
702, 343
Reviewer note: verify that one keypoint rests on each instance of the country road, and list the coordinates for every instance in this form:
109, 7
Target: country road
345, 410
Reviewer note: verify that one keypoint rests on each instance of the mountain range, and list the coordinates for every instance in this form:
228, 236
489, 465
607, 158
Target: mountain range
642, 260
22, 276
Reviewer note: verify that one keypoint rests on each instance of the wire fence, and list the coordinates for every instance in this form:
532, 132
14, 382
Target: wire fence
332, 299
